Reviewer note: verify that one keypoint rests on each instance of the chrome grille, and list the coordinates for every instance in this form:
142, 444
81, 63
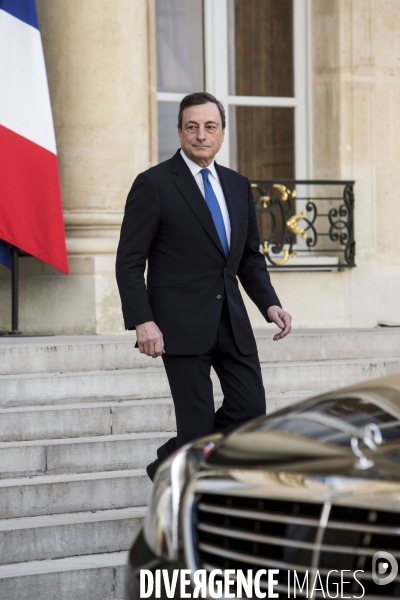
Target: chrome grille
243, 532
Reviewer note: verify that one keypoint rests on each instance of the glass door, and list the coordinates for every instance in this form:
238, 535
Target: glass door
252, 55
180, 64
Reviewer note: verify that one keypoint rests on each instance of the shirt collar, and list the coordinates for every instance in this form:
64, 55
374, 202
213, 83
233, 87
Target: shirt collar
195, 168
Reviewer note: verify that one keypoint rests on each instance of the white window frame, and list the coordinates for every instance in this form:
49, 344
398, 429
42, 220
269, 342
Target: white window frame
217, 72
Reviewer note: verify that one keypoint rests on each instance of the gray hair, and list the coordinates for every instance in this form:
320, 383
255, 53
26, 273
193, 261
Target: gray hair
200, 98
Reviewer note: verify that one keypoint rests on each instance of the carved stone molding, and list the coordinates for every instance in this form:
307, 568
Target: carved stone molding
92, 245
92, 232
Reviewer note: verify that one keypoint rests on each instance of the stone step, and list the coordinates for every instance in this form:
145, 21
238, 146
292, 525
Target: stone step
329, 344
71, 534
86, 419
124, 384
80, 455
80, 417
91, 577
72, 353
45, 388
103, 418
90, 353
57, 494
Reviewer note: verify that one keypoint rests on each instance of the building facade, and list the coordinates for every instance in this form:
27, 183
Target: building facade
311, 89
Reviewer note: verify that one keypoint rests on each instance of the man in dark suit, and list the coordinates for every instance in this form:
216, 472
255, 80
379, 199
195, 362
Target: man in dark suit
194, 222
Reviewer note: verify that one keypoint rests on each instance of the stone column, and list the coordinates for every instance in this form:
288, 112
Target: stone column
100, 65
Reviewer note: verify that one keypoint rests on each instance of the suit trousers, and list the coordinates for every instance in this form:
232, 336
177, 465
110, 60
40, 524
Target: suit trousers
189, 378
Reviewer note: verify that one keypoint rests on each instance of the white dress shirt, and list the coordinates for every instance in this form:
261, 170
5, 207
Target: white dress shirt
216, 186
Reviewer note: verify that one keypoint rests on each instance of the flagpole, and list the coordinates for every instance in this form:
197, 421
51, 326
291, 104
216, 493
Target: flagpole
14, 290
15, 254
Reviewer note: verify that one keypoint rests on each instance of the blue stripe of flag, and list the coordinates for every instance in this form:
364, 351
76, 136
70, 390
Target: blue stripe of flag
5, 254
25, 10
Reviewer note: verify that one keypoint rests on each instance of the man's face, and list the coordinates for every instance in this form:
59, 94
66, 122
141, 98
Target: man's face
201, 134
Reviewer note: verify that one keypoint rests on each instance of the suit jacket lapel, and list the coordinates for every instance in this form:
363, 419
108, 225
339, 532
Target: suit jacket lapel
232, 202
189, 189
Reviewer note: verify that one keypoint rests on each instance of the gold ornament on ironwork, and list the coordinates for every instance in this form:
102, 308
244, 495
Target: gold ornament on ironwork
284, 191
294, 228
286, 256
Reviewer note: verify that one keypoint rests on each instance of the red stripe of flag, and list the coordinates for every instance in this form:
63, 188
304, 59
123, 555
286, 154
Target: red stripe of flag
31, 216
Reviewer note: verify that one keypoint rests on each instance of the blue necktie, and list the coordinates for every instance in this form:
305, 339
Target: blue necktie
213, 205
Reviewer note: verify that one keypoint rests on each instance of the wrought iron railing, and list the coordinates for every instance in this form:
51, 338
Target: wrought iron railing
306, 219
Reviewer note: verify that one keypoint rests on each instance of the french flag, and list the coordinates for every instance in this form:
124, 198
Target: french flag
31, 216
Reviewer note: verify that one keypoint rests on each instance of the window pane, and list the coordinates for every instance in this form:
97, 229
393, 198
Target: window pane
180, 51
168, 140
262, 141
262, 147
261, 47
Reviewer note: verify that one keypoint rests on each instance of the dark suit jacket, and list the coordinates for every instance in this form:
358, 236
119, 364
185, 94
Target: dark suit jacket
168, 223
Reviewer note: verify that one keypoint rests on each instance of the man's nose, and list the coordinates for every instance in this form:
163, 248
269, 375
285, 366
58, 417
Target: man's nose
201, 133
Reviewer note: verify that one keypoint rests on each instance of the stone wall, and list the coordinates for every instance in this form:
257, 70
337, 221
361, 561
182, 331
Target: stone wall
355, 110
101, 69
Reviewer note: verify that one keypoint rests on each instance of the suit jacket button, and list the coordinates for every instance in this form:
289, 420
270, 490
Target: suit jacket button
218, 297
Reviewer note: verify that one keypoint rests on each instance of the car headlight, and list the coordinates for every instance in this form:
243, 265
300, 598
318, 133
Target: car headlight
161, 525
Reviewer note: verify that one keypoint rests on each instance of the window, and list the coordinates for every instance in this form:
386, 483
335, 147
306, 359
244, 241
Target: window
252, 55
180, 64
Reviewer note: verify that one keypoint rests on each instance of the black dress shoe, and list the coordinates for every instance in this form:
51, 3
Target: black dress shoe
152, 468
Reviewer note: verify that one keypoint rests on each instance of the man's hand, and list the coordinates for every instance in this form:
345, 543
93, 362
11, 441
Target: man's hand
281, 318
150, 339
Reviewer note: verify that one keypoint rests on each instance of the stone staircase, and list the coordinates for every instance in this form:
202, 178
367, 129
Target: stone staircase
80, 417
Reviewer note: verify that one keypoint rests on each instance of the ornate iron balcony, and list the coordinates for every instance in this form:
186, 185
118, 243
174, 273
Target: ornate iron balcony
306, 218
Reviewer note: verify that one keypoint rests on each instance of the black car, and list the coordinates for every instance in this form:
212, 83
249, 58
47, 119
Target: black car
311, 492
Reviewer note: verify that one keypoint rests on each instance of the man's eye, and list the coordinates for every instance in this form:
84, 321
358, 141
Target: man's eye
211, 128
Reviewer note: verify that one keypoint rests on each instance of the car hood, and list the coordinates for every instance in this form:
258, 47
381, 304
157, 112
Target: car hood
353, 431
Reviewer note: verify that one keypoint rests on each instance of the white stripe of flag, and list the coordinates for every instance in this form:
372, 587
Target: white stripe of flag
24, 99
